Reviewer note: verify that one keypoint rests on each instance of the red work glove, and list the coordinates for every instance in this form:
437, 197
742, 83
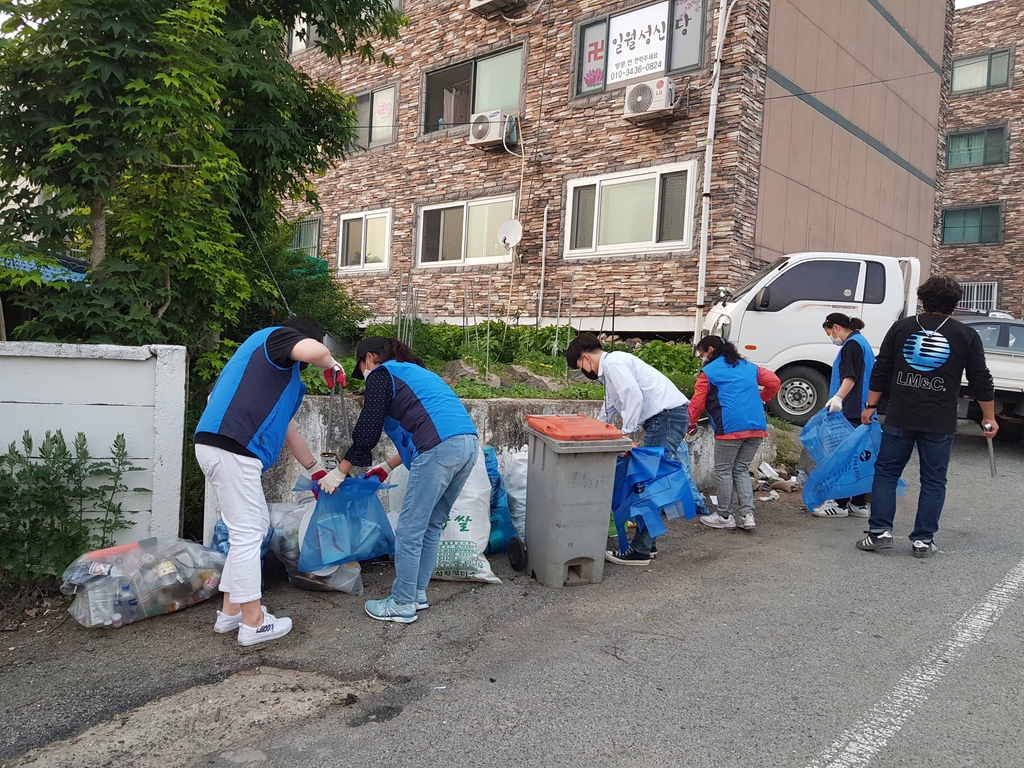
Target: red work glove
334, 375
381, 472
314, 477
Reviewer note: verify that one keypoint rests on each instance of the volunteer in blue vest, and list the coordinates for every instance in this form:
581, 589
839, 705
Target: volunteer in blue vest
848, 393
733, 391
240, 434
644, 397
437, 442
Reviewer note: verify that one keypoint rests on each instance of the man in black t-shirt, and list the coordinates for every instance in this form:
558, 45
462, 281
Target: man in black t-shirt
921, 364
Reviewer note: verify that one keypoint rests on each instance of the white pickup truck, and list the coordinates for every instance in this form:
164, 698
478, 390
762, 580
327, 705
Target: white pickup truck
775, 318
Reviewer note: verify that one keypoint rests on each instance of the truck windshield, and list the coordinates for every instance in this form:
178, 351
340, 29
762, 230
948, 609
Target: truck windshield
748, 286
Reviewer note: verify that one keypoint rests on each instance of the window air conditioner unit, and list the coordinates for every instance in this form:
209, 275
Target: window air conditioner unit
649, 99
485, 7
486, 128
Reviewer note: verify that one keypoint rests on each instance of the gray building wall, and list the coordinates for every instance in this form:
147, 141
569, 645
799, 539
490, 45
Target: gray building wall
852, 116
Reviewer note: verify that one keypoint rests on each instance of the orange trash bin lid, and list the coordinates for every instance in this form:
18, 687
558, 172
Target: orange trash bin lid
578, 427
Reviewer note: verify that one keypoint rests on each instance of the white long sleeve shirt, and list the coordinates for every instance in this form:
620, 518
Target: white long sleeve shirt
634, 390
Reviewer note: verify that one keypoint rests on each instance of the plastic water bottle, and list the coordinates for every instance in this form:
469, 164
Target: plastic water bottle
127, 603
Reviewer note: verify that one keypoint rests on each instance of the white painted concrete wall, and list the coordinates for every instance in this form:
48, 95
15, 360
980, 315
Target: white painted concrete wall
103, 390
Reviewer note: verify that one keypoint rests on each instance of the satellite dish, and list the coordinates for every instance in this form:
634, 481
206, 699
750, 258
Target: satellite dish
510, 233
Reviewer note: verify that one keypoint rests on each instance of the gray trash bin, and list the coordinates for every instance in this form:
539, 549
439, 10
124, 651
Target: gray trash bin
570, 478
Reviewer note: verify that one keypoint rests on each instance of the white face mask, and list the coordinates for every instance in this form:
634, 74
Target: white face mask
838, 341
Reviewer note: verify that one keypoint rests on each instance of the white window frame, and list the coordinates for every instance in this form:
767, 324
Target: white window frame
387, 213
466, 205
310, 37
639, 174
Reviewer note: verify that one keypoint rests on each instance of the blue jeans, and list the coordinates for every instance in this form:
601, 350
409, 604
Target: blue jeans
436, 479
933, 450
668, 430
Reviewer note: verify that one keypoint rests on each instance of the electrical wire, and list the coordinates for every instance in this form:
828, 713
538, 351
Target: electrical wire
234, 190
555, 120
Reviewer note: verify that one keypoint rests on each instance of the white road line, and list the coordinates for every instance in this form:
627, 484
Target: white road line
859, 745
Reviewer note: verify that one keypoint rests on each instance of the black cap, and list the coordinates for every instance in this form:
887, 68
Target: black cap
373, 344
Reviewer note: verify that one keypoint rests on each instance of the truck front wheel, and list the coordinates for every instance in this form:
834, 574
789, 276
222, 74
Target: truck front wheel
804, 392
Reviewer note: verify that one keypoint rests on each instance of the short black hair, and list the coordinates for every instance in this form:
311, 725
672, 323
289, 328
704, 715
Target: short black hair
584, 342
940, 294
306, 325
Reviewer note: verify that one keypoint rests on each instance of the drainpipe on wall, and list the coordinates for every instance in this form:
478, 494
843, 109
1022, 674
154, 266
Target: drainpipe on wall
724, 10
543, 263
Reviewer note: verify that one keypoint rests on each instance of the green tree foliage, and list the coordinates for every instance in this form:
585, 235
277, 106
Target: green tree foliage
306, 282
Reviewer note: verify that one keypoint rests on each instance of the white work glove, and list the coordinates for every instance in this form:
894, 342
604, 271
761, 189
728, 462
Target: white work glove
834, 404
329, 483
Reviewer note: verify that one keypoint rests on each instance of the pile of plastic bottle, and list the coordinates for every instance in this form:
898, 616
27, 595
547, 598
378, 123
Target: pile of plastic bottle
131, 582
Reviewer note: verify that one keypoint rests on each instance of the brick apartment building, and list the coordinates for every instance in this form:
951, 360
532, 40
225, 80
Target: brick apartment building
980, 199
826, 139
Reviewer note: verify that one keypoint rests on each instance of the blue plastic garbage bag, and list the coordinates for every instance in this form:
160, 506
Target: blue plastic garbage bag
346, 526
222, 544
501, 519
648, 483
849, 469
824, 432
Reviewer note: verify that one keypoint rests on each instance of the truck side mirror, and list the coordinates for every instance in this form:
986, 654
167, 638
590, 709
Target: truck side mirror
764, 297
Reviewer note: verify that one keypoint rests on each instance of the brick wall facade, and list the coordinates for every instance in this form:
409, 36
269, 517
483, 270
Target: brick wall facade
979, 29
565, 138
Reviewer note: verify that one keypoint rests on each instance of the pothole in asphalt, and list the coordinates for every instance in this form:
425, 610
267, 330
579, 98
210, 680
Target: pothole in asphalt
175, 730
375, 715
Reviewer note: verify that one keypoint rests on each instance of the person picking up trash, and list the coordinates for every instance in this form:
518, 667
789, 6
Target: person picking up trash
733, 391
438, 443
921, 364
848, 392
247, 420
644, 397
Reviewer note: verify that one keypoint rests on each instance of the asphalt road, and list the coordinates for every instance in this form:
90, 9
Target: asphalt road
782, 647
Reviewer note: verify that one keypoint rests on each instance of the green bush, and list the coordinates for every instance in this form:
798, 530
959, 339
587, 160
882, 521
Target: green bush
476, 390
58, 507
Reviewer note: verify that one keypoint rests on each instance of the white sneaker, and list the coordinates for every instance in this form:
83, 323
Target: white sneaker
227, 623
746, 522
714, 520
830, 509
858, 511
271, 629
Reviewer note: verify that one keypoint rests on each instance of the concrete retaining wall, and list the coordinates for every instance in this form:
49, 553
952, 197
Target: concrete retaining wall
501, 423
102, 390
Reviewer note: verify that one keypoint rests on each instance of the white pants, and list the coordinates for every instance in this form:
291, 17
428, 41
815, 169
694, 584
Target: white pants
243, 507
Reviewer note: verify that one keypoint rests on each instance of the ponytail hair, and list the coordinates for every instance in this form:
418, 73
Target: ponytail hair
399, 352
719, 347
843, 321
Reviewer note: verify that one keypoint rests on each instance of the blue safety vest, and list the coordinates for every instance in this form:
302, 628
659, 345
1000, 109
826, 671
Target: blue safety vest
734, 400
858, 396
424, 411
254, 400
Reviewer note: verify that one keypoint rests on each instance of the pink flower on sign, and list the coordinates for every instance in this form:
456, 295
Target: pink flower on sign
383, 108
593, 77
